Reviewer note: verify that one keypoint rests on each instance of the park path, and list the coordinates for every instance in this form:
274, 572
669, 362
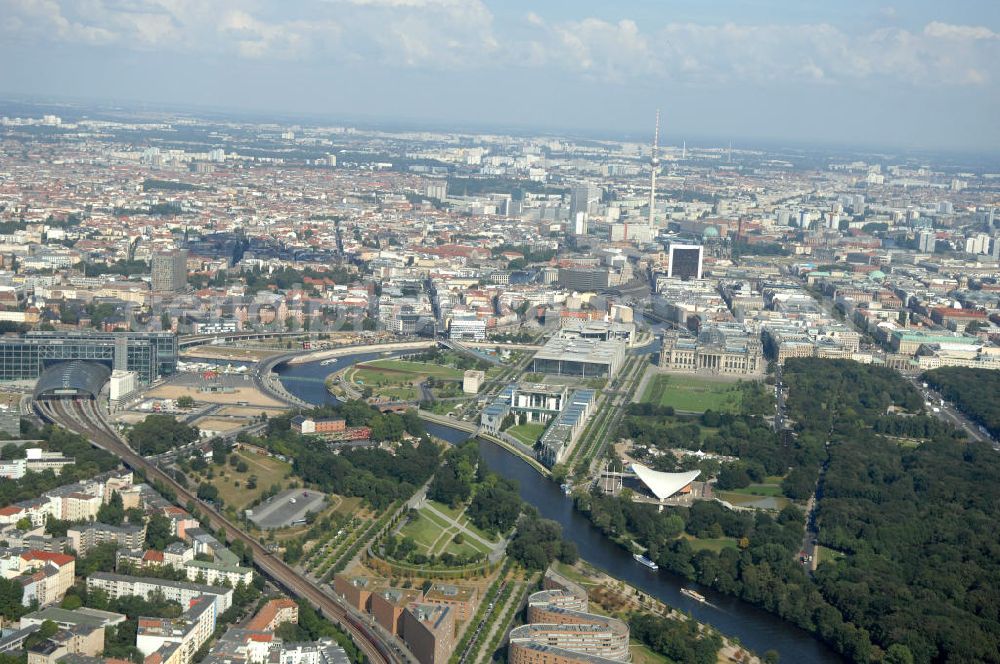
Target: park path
484, 653
640, 390
496, 548
460, 526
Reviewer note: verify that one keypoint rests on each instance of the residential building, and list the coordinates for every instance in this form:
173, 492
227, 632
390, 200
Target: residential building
274, 614
188, 631
84, 538
388, 605
117, 585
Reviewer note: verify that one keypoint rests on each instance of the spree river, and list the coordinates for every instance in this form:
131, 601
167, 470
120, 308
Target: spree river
754, 627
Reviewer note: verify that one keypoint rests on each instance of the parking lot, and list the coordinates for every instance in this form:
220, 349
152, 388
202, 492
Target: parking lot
287, 508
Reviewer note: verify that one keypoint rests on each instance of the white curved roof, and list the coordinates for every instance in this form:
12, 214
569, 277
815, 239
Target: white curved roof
663, 485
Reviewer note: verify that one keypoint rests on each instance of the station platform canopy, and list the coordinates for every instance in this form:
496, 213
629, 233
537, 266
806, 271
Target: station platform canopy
73, 378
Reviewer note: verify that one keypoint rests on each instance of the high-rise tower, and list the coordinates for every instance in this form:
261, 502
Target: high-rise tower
654, 164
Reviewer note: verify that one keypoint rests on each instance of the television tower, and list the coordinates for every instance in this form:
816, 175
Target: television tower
654, 163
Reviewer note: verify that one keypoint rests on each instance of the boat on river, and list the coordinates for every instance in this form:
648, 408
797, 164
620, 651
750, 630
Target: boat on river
643, 560
693, 595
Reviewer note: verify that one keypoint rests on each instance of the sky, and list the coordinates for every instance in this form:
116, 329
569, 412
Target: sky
922, 74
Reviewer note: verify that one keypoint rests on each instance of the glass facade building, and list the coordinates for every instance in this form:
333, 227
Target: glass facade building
149, 354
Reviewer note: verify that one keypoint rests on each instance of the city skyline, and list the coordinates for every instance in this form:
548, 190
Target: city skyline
918, 77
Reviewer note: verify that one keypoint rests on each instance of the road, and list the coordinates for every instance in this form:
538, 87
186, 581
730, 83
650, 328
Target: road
83, 418
946, 412
950, 414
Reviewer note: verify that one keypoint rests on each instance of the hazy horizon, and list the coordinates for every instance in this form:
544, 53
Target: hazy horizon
918, 78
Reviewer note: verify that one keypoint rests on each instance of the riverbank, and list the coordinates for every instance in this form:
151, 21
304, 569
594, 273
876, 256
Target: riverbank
306, 358
754, 626
616, 597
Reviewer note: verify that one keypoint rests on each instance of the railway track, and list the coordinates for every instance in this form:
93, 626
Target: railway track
82, 417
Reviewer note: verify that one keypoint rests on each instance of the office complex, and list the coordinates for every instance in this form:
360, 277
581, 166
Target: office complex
583, 198
685, 261
584, 358
149, 354
169, 271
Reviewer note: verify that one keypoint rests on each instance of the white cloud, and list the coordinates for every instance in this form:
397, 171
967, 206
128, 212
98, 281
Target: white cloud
462, 34
703, 54
965, 32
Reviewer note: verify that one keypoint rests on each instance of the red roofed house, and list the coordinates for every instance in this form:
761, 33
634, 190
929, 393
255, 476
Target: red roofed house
53, 576
273, 614
10, 515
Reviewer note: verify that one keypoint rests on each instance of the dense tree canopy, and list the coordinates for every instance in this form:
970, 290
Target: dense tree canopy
537, 541
160, 433
918, 564
377, 475
680, 640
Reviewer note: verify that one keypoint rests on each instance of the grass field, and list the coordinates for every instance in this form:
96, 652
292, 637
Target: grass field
400, 379
768, 502
268, 471
434, 534
642, 654
527, 433
824, 554
687, 393
397, 367
759, 490
714, 544
348, 506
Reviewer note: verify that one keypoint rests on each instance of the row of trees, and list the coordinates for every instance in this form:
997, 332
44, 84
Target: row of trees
974, 391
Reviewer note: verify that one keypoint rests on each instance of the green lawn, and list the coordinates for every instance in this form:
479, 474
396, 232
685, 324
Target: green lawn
759, 490
422, 530
422, 368
643, 654
398, 393
468, 546
269, 471
775, 502
824, 554
713, 544
435, 535
454, 512
687, 393
527, 433
572, 573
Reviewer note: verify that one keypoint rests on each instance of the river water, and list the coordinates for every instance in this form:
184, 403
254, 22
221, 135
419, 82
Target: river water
755, 628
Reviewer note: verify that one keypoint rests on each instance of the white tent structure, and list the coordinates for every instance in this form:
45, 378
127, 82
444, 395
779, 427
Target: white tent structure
663, 485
